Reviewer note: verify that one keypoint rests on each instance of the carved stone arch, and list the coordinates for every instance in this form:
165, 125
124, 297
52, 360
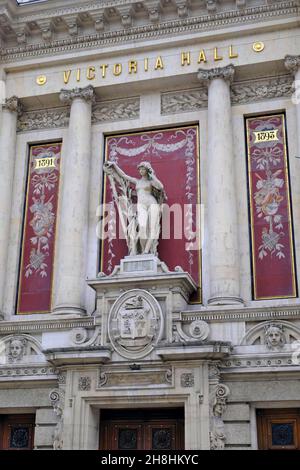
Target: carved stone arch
256, 334
20, 348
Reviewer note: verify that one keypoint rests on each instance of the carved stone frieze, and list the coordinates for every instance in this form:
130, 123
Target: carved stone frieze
104, 111
44, 119
116, 110
261, 89
183, 101
15, 372
247, 91
258, 363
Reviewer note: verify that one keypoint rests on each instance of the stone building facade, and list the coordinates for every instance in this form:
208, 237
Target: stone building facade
92, 357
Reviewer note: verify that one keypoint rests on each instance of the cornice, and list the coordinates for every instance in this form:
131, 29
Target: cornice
149, 31
244, 314
36, 326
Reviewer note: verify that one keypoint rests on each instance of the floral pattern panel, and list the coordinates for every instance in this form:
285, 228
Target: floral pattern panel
36, 269
174, 156
273, 264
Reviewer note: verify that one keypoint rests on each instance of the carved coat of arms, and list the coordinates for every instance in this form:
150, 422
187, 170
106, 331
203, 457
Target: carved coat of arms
135, 324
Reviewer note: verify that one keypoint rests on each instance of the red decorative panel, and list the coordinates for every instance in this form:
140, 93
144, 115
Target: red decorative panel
173, 154
36, 270
273, 263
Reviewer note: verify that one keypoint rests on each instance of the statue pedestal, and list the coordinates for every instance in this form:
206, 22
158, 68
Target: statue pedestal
143, 276
146, 264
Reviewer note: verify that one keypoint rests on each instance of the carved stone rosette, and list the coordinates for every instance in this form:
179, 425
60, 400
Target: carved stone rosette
86, 94
13, 105
226, 73
292, 63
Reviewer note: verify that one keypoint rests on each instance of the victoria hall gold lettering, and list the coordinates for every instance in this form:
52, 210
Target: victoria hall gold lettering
117, 70
232, 54
159, 63
103, 68
67, 74
132, 66
202, 57
216, 55
90, 73
185, 58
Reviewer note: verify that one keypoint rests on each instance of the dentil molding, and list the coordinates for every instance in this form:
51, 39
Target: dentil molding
87, 25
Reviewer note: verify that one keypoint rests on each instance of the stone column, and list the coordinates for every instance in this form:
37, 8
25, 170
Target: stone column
73, 215
292, 63
222, 196
8, 137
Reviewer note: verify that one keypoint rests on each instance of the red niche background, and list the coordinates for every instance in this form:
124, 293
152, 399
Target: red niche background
273, 262
36, 269
173, 154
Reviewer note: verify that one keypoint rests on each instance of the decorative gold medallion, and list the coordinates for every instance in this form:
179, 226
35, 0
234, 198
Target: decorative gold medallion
41, 80
258, 46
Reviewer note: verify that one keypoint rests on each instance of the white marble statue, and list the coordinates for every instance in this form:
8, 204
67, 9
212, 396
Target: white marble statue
141, 221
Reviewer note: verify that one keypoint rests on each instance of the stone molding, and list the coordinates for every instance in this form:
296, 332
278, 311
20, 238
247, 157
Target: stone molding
244, 314
136, 376
13, 373
100, 17
87, 94
27, 326
104, 111
292, 63
259, 363
226, 73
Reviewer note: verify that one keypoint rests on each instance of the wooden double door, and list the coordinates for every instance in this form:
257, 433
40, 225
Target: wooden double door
278, 429
142, 429
17, 432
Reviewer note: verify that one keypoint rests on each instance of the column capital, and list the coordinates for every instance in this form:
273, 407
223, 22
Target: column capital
226, 73
13, 105
87, 94
292, 63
